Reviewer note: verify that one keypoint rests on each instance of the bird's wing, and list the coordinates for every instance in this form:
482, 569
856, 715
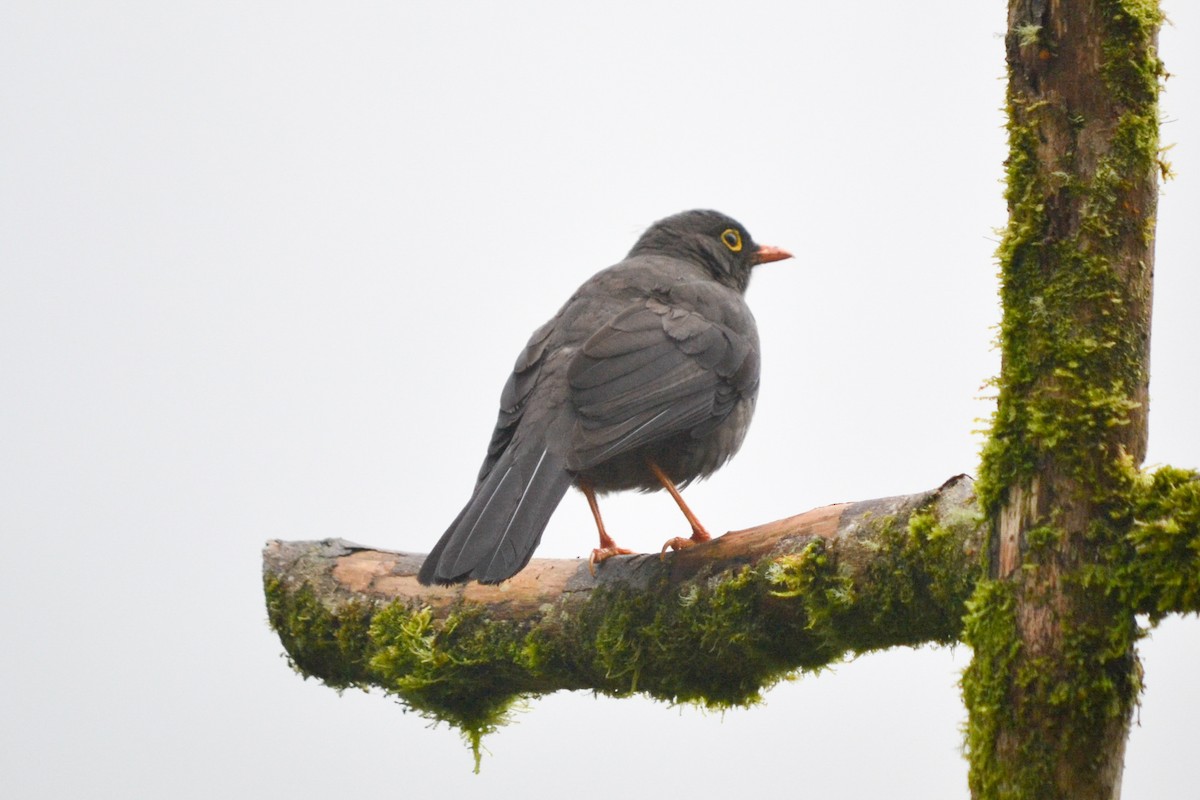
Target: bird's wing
652, 372
515, 395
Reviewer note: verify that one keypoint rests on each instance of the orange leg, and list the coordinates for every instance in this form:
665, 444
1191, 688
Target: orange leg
608, 548
699, 534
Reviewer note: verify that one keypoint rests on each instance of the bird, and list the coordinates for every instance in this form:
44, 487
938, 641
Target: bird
645, 379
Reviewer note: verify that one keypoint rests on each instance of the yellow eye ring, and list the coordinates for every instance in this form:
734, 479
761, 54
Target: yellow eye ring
732, 239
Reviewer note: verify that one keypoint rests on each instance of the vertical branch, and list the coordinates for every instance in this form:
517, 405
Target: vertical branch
1054, 679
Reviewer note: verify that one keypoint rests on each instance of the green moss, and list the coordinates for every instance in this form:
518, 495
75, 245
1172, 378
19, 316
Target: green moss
1031, 712
331, 645
1042, 541
991, 630
716, 640
927, 573
1009, 456
719, 641
811, 577
911, 592
707, 644
722, 640
465, 670
1029, 35
1155, 568
1072, 345
1166, 542
1073, 338
1132, 70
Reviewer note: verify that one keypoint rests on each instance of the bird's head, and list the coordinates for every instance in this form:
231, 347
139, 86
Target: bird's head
719, 243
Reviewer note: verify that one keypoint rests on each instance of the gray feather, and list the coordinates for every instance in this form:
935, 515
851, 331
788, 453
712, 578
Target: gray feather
495, 534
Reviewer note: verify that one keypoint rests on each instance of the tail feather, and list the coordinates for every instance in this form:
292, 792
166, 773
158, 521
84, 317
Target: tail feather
495, 534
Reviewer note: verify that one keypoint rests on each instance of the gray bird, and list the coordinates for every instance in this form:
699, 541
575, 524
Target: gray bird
645, 379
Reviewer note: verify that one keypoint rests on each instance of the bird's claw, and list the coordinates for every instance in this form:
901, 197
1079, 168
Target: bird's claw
678, 543
603, 554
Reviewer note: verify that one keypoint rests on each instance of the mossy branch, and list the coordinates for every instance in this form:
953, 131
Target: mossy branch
714, 624
1156, 570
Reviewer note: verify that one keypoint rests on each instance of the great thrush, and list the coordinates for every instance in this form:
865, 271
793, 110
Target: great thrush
645, 379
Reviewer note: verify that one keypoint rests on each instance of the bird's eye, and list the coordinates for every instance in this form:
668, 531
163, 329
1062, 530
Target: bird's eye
732, 239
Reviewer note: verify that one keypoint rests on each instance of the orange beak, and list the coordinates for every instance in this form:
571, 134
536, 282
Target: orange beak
766, 253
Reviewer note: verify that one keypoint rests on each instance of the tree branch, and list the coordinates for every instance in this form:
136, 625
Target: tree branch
713, 624
1157, 571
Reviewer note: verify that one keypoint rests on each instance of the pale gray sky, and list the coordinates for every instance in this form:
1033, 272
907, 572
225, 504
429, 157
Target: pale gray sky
264, 268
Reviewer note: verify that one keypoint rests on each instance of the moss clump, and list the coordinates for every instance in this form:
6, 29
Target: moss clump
991, 630
924, 572
1166, 542
328, 644
811, 577
1155, 568
712, 642
1131, 70
464, 670
911, 592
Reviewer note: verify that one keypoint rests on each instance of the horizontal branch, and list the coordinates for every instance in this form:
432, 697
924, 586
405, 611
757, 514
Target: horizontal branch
713, 624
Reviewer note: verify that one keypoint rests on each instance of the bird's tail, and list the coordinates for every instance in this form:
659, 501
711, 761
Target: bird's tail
495, 534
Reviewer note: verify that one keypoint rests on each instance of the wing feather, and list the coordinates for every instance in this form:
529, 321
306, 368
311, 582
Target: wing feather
652, 372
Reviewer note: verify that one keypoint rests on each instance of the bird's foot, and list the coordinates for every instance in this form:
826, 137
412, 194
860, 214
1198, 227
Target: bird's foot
680, 543
603, 554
